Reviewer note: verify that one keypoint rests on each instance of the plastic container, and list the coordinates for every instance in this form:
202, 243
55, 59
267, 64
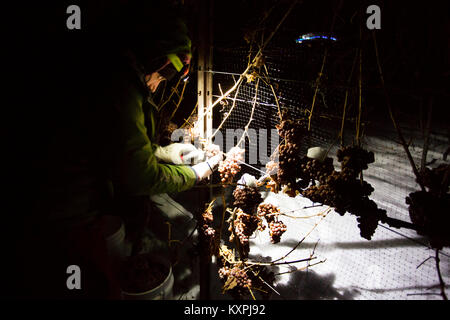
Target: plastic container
113, 230
164, 291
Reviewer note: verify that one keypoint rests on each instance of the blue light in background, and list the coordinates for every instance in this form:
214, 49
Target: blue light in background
308, 36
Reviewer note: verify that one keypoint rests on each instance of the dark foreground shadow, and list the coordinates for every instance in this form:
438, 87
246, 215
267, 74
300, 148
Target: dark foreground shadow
308, 285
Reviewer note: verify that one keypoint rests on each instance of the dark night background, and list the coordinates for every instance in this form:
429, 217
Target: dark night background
45, 66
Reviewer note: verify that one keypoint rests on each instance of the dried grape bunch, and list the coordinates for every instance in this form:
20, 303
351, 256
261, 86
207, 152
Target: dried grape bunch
313, 169
211, 150
343, 190
293, 132
347, 185
355, 158
346, 193
339, 190
236, 279
207, 215
272, 168
289, 157
368, 215
208, 233
428, 208
240, 275
229, 167
437, 180
429, 212
276, 229
243, 227
247, 198
270, 213
224, 272
367, 225
239, 279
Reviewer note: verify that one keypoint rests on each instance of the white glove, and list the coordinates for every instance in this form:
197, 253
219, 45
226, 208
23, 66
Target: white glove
179, 153
248, 180
206, 168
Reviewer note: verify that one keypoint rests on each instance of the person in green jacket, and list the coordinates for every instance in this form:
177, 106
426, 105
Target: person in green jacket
105, 157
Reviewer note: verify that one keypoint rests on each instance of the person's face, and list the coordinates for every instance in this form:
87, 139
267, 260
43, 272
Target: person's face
153, 80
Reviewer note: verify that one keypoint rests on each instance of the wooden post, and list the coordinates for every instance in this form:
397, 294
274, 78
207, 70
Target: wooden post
204, 89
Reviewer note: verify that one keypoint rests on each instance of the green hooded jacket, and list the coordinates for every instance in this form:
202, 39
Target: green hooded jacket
106, 148
103, 121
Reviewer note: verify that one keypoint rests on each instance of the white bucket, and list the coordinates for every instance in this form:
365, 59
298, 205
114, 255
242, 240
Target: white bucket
113, 230
164, 291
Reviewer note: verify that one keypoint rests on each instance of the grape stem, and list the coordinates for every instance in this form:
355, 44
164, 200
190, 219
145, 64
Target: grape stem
273, 263
303, 239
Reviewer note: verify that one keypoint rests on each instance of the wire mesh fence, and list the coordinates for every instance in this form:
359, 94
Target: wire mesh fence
293, 72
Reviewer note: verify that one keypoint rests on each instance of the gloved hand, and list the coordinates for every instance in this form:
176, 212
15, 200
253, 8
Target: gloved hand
248, 180
180, 153
206, 168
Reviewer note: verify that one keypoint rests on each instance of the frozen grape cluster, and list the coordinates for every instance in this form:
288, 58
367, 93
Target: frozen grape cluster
344, 190
292, 132
247, 198
276, 229
211, 150
355, 158
428, 209
236, 279
271, 213
243, 226
229, 167
208, 233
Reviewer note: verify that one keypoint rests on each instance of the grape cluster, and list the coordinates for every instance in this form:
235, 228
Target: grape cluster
207, 216
247, 198
344, 191
224, 272
293, 132
339, 190
428, 208
229, 167
243, 227
355, 158
237, 280
208, 233
270, 213
289, 157
211, 150
368, 215
437, 180
314, 169
276, 229
272, 168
